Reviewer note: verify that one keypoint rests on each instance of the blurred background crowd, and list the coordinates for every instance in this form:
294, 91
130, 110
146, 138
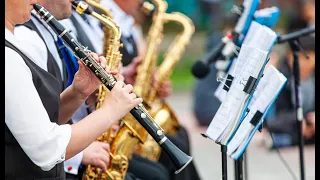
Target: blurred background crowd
212, 19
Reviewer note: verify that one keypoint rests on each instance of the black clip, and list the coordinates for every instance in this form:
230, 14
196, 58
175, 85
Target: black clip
256, 118
248, 88
228, 82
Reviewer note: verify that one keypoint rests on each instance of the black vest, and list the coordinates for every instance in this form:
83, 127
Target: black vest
52, 65
127, 56
18, 166
82, 35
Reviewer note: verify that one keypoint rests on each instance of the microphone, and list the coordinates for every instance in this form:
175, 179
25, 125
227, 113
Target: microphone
201, 68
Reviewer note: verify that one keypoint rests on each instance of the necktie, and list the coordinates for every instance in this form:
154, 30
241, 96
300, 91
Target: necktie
69, 59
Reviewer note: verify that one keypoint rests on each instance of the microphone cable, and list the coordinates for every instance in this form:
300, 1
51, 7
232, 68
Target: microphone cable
284, 162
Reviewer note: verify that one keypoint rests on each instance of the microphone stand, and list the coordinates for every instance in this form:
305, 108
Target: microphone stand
292, 38
299, 113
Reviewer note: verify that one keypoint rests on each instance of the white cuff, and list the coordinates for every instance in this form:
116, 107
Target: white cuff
72, 165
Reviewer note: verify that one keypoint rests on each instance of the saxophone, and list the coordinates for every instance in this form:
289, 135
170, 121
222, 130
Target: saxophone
131, 133
123, 143
159, 109
111, 52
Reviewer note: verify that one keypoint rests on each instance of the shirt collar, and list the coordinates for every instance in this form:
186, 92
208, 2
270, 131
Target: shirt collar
124, 20
9, 36
43, 23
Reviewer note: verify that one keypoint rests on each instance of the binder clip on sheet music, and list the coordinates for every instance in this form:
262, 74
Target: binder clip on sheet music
246, 74
266, 93
268, 17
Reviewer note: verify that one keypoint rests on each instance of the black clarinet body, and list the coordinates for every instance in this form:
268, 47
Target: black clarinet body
178, 157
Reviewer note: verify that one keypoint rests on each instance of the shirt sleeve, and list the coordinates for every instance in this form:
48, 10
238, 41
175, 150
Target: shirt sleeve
44, 142
72, 165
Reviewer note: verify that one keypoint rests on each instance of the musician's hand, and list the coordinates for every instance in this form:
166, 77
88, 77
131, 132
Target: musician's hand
97, 154
130, 72
120, 100
85, 81
165, 89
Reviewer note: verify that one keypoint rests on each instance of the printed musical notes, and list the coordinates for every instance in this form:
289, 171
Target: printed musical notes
267, 91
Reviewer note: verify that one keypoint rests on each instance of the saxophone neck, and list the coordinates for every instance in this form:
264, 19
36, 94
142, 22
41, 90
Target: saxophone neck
82, 7
174, 52
96, 4
111, 30
155, 34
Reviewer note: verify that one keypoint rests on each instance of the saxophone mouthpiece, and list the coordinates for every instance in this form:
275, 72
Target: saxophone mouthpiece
81, 7
147, 8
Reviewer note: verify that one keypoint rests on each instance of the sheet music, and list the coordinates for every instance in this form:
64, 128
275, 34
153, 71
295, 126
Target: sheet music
253, 66
268, 90
234, 103
258, 36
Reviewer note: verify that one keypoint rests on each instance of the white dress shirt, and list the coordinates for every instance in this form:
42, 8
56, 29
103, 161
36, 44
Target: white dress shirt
43, 141
93, 30
32, 42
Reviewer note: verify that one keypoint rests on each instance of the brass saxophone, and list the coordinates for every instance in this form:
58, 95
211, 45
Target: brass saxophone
123, 143
111, 52
131, 133
159, 109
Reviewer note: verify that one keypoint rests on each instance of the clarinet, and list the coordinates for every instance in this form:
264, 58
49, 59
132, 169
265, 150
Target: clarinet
178, 157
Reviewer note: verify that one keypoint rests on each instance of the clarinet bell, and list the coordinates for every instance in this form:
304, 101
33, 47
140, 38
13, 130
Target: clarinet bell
177, 157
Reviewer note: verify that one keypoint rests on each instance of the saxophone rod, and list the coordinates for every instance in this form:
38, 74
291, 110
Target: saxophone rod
178, 157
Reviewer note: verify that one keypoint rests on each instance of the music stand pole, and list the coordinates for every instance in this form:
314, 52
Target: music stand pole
299, 112
245, 164
224, 162
238, 168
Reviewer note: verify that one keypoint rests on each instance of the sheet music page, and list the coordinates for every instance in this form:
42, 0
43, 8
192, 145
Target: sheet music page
241, 134
271, 85
263, 39
253, 32
233, 105
258, 36
255, 62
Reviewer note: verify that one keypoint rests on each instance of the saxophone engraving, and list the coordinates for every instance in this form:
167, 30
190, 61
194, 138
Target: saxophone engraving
161, 112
